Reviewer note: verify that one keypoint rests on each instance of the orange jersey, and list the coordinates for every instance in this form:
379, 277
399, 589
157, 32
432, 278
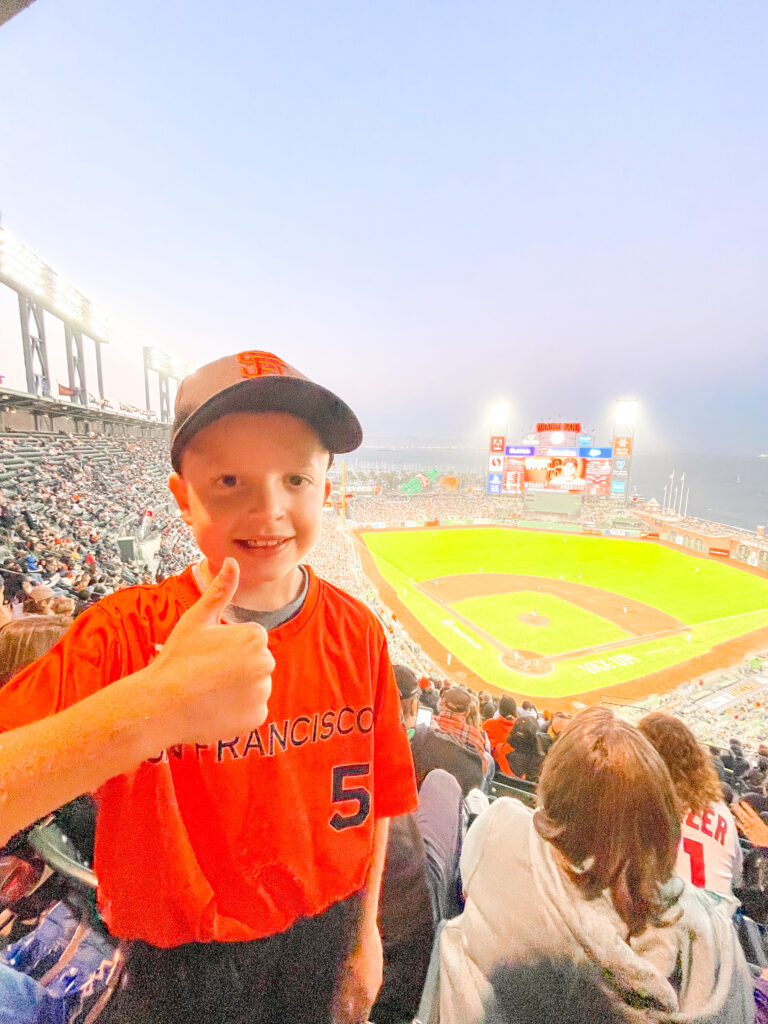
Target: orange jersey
237, 839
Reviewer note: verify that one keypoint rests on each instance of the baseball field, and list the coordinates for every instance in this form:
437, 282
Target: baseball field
565, 615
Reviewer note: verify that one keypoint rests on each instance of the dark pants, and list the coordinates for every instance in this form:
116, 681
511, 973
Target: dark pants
289, 977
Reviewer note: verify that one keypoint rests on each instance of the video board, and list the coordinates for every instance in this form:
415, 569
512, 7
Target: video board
586, 471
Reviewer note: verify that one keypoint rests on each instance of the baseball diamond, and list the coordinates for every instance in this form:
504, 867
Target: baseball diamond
568, 617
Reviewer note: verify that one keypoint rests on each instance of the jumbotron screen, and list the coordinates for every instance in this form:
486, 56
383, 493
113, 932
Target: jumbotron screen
570, 473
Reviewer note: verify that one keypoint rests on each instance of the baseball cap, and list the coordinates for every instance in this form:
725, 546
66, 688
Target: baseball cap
406, 681
256, 381
457, 699
41, 594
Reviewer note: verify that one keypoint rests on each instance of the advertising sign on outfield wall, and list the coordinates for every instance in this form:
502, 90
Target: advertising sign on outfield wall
497, 443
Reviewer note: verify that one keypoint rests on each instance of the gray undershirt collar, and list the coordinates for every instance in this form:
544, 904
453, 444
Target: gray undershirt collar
269, 620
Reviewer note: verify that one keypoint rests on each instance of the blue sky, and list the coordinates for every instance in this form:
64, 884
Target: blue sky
424, 205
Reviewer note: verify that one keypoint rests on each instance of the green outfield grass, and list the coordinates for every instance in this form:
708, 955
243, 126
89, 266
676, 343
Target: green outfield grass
718, 601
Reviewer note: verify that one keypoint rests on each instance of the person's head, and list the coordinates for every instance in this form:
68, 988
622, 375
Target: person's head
251, 443
754, 780
487, 710
63, 606
508, 706
558, 724
473, 711
523, 736
457, 700
689, 764
24, 640
608, 806
528, 710
408, 686
40, 601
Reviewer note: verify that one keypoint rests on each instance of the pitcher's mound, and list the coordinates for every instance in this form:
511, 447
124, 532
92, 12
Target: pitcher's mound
534, 620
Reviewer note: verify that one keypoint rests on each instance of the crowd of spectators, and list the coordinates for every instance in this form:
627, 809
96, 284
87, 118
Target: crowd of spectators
67, 503
433, 505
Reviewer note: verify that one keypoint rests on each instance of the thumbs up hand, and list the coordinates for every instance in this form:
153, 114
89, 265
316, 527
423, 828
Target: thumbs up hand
211, 680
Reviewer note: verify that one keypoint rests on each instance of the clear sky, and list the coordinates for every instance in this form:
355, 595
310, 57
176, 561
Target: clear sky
424, 204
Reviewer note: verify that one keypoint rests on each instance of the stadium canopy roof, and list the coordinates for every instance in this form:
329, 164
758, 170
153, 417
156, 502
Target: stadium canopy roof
10, 7
10, 400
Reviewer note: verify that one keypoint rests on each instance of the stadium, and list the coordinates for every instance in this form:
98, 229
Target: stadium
421, 732
543, 580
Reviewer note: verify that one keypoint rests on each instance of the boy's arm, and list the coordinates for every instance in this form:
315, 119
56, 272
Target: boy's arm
48, 763
209, 680
362, 974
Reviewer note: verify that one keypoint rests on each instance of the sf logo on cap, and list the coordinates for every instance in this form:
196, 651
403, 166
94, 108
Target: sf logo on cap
259, 364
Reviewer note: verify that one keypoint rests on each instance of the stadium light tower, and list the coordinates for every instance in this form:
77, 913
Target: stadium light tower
40, 290
167, 369
626, 412
624, 420
498, 416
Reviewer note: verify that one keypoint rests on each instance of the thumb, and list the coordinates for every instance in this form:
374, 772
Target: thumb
218, 594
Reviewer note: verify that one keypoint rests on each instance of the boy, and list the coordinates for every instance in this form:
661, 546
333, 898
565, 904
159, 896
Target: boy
246, 871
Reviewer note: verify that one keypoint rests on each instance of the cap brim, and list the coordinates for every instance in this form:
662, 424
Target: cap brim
331, 418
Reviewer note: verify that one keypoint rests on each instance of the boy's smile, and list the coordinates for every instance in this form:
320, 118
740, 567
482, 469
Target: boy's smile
252, 486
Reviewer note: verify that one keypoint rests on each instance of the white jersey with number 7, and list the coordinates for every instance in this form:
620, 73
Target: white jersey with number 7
709, 855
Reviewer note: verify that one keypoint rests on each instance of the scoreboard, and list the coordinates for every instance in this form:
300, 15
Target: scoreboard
516, 469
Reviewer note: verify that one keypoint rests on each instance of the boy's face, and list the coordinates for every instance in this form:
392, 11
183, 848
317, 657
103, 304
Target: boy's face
252, 485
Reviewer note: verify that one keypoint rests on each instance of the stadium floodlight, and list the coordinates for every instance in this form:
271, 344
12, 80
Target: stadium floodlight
24, 271
164, 364
626, 412
499, 414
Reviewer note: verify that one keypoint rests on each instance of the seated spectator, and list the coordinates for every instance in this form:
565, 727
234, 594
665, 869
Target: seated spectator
408, 686
64, 606
734, 759
487, 711
589, 876
520, 756
430, 697
433, 749
557, 723
458, 717
757, 798
709, 854
40, 601
498, 727
528, 710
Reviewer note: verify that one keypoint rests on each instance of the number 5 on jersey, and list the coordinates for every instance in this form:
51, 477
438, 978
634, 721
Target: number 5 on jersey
358, 796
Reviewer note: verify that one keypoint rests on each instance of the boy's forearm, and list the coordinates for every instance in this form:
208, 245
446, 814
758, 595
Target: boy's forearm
372, 889
50, 762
